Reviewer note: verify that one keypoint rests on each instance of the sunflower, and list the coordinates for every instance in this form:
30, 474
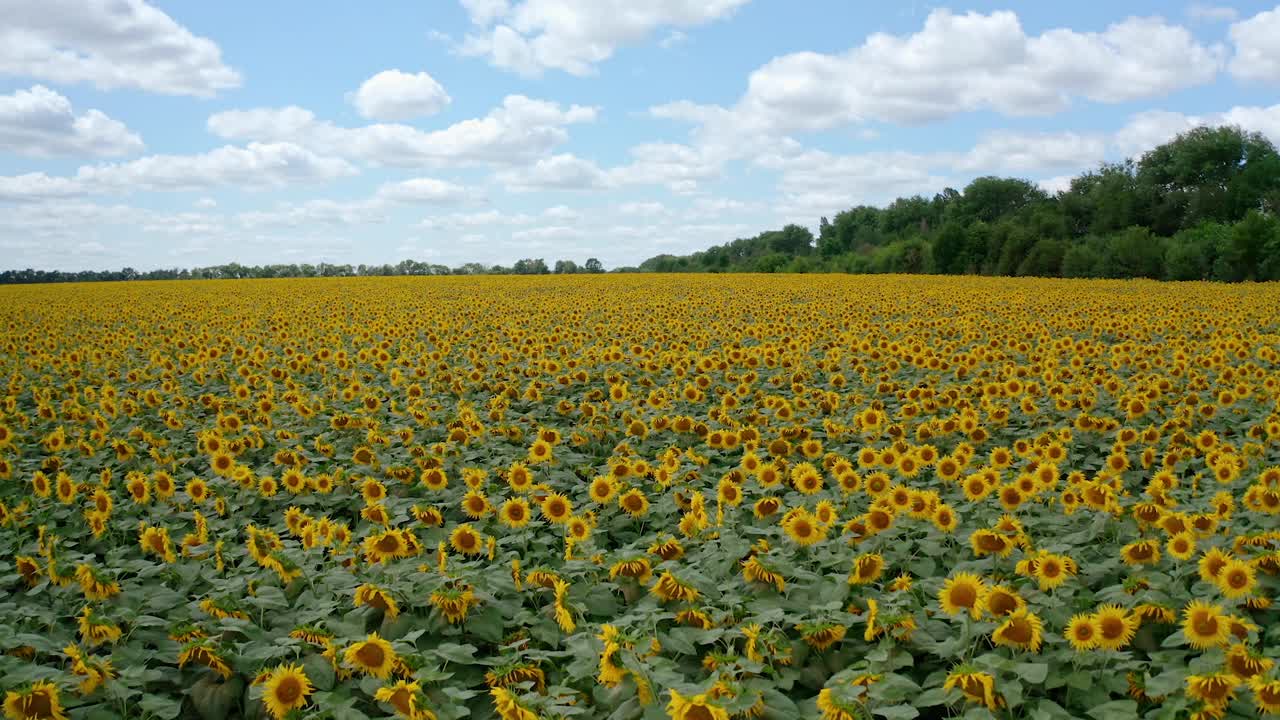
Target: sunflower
1021, 630
636, 568
375, 597
822, 636
1082, 632
39, 701
669, 587
155, 541
285, 689
201, 653
1247, 663
1266, 694
988, 542
514, 513
1205, 625
509, 707
667, 548
867, 568
371, 656
556, 508
1214, 690
962, 592
1001, 600
804, 529
406, 697
540, 452
696, 707
455, 603
1141, 552
977, 687
578, 529
466, 540
634, 503
1116, 626
1052, 570
1182, 546
1236, 579
1211, 564
753, 570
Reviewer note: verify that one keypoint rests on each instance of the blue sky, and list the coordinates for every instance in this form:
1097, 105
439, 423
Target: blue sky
183, 134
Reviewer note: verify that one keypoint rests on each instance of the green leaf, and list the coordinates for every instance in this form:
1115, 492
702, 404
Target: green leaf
165, 708
460, 654
1115, 710
320, 671
894, 712
1034, 673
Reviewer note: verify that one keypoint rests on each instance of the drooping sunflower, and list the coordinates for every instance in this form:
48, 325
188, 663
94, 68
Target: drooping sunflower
1141, 552
977, 687
962, 593
867, 568
508, 705
39, 701
1214, 690
1021, 630
285, 689
753, 570
1266, 694
696, 707
375, 597
406, 698
1001, 600
371, 656
669, 587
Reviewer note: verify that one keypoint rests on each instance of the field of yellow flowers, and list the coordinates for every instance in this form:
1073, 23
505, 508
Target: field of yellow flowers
644, 496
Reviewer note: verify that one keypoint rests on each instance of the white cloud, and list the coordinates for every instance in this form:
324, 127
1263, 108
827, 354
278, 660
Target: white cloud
558, 172
110, 44
1033, 152
1257, 47
257, 165
642, 208
206, 203
678, 166
37, 186
1056, 184
574, 35
424, 190
956, 64
519, 131
1146, 130
1205, 12
396, 95
254, 165
563, 213
41, 123
461, 221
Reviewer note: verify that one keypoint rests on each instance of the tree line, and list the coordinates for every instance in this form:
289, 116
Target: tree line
236, 271
1203, 206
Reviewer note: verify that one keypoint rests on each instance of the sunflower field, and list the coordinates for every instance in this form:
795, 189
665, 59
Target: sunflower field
640, 496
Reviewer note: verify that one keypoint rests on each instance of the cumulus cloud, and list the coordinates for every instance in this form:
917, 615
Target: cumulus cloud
558, 172
532, 36
256, 165
959, 63
109, 44
40, 122
515, 133
1257, 47
424, 190
396, 95
1148, 129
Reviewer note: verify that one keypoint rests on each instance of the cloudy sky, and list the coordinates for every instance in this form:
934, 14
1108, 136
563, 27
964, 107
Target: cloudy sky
188, 134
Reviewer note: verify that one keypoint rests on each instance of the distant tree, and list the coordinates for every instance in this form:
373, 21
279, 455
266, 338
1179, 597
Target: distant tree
566, 267
530, 266
593, 265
